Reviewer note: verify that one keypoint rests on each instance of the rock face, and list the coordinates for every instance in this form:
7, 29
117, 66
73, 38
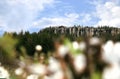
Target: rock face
85, 31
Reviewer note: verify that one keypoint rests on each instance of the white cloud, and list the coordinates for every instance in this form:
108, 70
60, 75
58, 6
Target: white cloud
16, 15
108, 13
68, 19
86, 18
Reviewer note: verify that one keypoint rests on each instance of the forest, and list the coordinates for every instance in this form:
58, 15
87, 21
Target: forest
46, 37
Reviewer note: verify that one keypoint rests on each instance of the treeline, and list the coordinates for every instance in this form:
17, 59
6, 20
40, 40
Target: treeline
47, 36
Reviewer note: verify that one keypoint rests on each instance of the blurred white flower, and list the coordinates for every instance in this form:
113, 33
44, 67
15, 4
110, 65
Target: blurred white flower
82, 46
112, 72
78, 46
108, 47
58, 75
116, 50
63, 50
38, 47
32, 76
94, 41
38, 69
80, 62
19, 71
75, 45
4, 73
108, 54
54, 65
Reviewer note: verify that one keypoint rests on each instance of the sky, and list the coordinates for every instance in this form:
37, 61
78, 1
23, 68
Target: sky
33, 15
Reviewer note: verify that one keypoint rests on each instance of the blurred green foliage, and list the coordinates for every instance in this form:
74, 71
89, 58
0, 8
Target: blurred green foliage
68, 43
8, 47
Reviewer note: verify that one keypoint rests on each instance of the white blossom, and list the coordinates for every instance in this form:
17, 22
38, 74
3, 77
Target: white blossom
54, 65
63, 50
108, 47
112, 72
37, 68
79, 46
116, 50
19, 71
75, 45
80, 62
38, 47
4, 73
108, 54
94, 41
82, 46
58, 75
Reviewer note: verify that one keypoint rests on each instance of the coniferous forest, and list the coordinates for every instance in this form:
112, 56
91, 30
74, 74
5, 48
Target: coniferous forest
47, 36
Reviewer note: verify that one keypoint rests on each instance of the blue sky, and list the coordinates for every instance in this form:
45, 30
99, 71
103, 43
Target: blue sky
33, 15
